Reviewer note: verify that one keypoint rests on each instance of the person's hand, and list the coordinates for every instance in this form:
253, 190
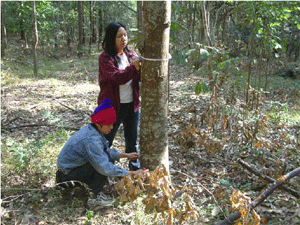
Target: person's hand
137, 64
141, 172
133, 156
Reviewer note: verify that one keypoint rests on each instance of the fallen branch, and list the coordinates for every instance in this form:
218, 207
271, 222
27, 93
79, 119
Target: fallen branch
20, 189
67, 106
267, 178
236, 215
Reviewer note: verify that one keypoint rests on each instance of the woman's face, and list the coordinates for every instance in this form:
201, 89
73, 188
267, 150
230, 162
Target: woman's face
105, 129
121, 40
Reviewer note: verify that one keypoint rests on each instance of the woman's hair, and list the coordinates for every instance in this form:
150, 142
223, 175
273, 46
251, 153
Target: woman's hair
109, 42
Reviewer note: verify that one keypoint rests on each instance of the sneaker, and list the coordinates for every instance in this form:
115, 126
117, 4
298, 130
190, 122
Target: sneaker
100, 201
134, 165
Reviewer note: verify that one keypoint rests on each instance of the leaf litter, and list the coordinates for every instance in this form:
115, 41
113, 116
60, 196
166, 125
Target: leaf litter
207, 133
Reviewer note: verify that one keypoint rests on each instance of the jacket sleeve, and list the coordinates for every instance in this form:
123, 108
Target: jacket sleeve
100, 161
114, 154
110, 72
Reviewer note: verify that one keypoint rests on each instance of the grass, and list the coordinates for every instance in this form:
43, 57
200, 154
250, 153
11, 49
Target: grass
20, 69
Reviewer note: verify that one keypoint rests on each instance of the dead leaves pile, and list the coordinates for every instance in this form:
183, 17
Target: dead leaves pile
242, 203
159, 196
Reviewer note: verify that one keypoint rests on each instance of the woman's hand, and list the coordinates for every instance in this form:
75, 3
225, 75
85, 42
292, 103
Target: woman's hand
137, 64
132, 156
141, 172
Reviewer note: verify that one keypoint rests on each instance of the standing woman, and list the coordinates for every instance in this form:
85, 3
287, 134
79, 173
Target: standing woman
119, 78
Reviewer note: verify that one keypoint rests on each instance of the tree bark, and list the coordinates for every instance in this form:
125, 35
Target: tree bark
91, 29
80, 28
3, 35
140, 15
100, 25
250, 52
205, 11
155, 81
35, 39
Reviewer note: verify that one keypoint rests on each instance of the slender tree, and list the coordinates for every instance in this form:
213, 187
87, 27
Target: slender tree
140, 15
3, 34
100, 24
155, 84
35, 39
91, 29
205, 12
80, 28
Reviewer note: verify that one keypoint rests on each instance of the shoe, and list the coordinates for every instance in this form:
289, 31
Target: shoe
134, 165
100, 201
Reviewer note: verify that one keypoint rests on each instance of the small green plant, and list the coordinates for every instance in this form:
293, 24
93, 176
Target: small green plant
201, 87
90, 215
21, 155
50, 116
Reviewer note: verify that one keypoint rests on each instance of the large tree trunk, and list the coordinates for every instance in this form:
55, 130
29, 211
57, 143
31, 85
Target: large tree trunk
155, 84
35, 39
80, 28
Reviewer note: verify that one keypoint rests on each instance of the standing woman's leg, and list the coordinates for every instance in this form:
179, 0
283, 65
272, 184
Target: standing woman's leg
131, 122
111, 136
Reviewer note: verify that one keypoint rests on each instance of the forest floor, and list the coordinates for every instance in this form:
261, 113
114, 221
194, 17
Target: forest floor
208, 133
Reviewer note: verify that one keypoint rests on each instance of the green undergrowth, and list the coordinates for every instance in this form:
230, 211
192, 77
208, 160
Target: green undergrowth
36, 159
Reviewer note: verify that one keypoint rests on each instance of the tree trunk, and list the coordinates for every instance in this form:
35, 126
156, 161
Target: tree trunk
155, 85
205, 11
69, 39
193, 22
80, 28
100, 25
251, 59
3, 35
35, 39
140, 15
201, 27
91, 29
94, 29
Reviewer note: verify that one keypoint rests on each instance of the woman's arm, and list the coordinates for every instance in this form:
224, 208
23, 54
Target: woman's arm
109, 71
131, 156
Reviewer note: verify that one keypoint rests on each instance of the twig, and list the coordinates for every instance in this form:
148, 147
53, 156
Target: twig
13, 198
204, 188
127, 7
67, 106
236, 215
21, 189
260, 174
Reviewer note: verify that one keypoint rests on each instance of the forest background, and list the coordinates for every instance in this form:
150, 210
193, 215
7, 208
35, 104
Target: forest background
234, 97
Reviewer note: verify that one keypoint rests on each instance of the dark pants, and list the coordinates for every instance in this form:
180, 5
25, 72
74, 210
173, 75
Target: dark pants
85, 174
130, 120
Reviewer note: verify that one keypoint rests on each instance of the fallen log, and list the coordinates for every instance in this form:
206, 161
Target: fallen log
267, 178
236, 215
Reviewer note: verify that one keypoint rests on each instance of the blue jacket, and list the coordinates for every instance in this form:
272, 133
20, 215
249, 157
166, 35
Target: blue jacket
88, 145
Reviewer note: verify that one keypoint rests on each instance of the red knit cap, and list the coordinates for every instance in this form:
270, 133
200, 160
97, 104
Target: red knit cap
104, 114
